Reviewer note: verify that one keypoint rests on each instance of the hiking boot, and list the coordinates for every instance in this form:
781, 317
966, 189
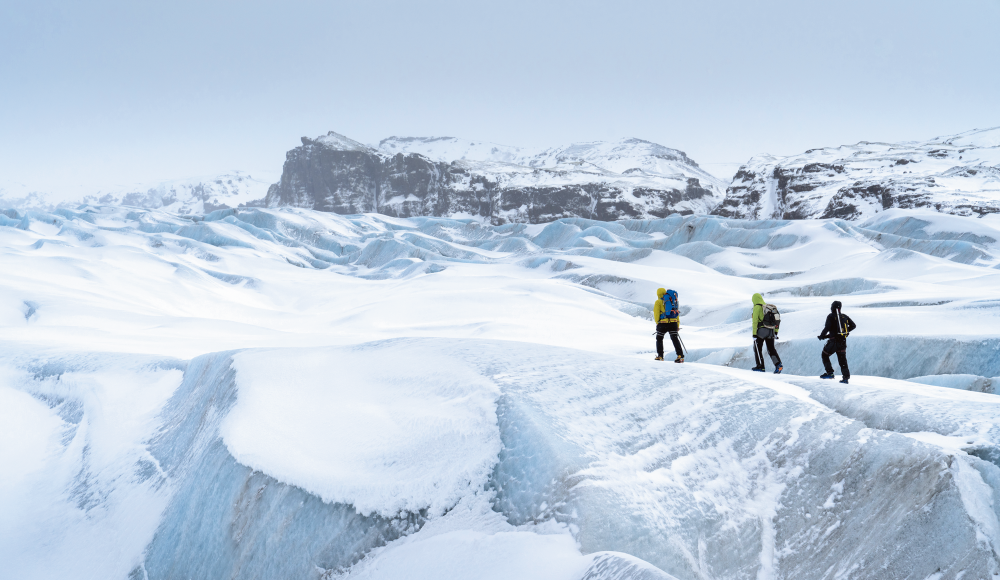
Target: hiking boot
679, 359
777, 370
658, 358
843, 381
827, 376
758, 369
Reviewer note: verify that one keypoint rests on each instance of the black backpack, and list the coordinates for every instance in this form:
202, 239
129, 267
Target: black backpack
842, 323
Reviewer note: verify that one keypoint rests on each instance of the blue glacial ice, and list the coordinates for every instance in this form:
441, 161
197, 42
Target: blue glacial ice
695, 471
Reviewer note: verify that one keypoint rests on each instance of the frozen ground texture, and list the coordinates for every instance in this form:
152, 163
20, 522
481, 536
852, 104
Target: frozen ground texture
958, 174
448, 177
268, 393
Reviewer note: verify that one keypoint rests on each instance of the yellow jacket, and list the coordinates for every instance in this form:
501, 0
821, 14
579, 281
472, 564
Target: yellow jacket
660, 308
757, 316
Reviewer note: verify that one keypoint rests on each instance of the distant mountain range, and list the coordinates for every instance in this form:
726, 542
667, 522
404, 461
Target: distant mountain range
629, 178
193, 195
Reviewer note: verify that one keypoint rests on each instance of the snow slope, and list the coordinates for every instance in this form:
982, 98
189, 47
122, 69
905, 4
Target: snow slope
621, 156
264, 393
958, 174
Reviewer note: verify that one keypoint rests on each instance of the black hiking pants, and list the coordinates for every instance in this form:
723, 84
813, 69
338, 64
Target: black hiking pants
663, 328
839, 346
765, 336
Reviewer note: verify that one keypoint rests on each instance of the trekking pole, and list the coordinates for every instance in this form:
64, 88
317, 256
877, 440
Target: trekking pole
683, 346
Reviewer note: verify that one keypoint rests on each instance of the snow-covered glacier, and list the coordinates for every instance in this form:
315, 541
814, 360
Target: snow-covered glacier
282, 393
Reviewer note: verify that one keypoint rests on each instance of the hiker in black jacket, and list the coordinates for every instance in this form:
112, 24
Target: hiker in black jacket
838, 326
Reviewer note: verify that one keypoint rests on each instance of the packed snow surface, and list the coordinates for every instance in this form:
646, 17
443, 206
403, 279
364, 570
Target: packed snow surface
263, 393
419, 444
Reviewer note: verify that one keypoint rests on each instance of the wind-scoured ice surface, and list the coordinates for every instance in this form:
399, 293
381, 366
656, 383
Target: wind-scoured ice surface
290, 394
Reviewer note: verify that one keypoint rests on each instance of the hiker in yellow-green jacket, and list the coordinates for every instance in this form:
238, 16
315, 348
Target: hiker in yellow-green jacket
765, 321
666, 314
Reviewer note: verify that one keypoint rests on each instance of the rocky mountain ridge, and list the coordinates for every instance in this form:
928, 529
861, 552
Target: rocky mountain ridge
448, 177
624, 179
958, 174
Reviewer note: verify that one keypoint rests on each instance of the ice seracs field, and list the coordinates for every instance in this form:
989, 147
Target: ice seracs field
264, 393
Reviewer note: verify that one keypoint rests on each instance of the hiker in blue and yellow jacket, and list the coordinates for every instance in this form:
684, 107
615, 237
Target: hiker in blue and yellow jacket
667, 316
763, 335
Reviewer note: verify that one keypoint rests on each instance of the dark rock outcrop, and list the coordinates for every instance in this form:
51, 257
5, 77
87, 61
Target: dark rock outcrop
333, 173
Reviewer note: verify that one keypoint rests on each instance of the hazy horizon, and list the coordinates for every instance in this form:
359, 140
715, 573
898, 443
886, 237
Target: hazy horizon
121, 93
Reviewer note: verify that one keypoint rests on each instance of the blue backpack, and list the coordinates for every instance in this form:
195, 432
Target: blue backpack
670, 299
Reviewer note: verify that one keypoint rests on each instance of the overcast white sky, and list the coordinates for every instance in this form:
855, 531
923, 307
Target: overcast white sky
99, 93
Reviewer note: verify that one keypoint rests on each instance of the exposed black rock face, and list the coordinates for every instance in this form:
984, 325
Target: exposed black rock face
327, 179
333, 173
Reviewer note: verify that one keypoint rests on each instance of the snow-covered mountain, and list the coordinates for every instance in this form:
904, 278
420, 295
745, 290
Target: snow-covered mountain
406, 177
284, 393
196, 195
192, 195
959, 174
623, 156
